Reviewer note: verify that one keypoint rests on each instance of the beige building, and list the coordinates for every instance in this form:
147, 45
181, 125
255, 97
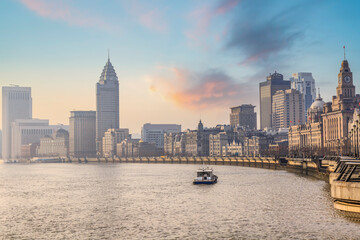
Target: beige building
111, 138
56, 145
82, 134
174, 144
353, 143
256, 145
136, 148
339, 113
308, 138
216, 144
287, 108
233, 149
243, 115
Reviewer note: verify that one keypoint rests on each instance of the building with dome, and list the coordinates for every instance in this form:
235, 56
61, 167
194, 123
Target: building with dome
56, 145
308, 138
107, 103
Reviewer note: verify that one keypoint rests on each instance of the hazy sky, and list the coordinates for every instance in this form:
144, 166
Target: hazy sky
176, 60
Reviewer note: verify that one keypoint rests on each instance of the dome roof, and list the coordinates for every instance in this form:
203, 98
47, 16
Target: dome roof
318, 104
62, 133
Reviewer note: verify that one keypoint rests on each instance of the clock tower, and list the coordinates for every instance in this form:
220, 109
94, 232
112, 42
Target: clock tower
345, 88
339, 113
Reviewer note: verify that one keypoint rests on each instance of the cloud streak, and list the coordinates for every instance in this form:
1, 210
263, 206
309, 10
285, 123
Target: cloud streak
212, 89
203, 17
149, 17
62, 11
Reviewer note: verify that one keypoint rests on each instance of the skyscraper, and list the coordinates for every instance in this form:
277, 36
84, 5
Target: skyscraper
82, 134
305, 83
273, 83
287, 109
243, 115
16, 104
107, 103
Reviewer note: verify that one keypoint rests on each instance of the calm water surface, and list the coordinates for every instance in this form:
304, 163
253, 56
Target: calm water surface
149, 201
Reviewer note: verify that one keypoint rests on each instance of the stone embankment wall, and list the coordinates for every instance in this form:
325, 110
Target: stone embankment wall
259, 162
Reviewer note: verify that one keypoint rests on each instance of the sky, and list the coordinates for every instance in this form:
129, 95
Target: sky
177, 61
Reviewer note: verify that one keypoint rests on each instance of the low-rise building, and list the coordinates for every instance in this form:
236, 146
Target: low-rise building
216, 144
111, 138
56, 145
257, 145
154, 133
234, 148
136, 148
28, 131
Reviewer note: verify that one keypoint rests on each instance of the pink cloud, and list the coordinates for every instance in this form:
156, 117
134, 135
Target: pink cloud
61, 10
212, 89
147, 16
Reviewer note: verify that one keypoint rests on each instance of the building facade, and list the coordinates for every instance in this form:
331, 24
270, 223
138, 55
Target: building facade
28, 131
257, 145
174, 144
304, 83
243, 115
82, 132
56, 145
273, 83
308, 138
287, 109
107, 103
111, 138
136, 148
353, 143
339, 113
216, 144
154, 133
16, 104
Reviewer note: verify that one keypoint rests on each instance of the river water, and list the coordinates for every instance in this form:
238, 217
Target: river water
159, 201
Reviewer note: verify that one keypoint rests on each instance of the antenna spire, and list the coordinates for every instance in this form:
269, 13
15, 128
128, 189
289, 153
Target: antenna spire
108, 54
344, 53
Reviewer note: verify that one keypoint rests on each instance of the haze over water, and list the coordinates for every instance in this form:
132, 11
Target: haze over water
149, 201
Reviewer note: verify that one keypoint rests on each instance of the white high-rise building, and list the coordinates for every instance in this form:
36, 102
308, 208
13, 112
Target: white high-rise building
304, 83
154, 133
287, 109
16, 104
107, 103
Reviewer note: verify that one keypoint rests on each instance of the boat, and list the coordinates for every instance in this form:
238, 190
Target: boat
205, 176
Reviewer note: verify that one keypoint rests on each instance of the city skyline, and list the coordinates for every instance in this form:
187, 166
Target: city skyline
198, 65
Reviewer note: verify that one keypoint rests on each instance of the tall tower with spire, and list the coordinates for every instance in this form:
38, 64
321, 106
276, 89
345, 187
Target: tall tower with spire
107, 103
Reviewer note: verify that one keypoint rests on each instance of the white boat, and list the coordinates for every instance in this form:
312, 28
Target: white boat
205, 176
